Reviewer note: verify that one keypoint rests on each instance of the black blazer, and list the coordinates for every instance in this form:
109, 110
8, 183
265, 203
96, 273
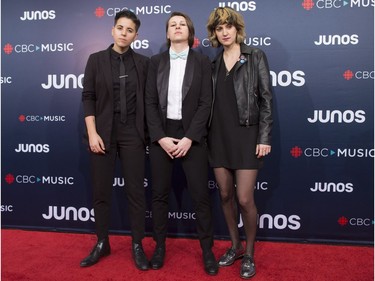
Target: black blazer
97, 94
196, 96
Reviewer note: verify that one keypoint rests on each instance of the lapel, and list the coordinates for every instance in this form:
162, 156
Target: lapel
162, 80
105, 63
189, 72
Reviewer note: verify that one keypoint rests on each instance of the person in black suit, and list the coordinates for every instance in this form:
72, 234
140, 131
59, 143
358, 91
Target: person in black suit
113, 103
178, 101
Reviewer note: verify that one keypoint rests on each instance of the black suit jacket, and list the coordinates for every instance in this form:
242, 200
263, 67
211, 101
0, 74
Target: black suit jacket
196, 96
97, 94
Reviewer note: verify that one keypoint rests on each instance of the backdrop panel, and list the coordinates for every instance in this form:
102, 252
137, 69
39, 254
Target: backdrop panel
318, 183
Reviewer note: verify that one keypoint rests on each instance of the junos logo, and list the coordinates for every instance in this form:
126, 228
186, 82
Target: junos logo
332, 187
140, 44
69, 81
38, 15
279, 221
32, 148
120, 182
285, 78
242, 6
337, 40
337, 116
69, 213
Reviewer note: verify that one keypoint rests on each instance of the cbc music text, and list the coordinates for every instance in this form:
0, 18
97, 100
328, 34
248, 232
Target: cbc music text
49, 180
48, 47
283, 78
44, 118
336, 4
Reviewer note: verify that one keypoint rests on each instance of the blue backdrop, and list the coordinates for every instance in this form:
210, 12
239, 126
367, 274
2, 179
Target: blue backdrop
318, 183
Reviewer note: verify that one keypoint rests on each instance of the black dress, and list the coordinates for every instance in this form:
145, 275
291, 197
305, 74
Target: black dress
230, 145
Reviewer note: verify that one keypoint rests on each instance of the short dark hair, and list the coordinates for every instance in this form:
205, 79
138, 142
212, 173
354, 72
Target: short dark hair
130, 15
190, 26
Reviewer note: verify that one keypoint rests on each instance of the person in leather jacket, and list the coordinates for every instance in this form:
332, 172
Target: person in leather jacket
240, 127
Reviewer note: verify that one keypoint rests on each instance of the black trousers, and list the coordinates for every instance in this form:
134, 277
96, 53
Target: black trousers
129, 147
195, 167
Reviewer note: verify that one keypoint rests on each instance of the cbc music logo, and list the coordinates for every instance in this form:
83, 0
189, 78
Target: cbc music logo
316, 152
5, 80
34, 48
338, 116
38, 15
32, 179
258, 186
337, 4
254, 41
142, 10
69, 213
359, 74
7, 208
356, 222
175, 215
41, 118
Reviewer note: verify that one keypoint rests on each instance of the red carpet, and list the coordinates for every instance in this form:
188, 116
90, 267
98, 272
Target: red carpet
32, 255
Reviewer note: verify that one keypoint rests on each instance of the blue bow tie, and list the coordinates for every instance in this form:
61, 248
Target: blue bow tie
183, 55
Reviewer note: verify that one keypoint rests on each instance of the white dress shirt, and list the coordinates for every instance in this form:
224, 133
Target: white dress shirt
176, 78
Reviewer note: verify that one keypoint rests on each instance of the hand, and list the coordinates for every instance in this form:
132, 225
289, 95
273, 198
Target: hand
262, 150
182, 147
96, 144
169, 145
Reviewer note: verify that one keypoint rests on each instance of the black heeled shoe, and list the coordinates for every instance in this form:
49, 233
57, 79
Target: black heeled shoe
157, 260
139, 257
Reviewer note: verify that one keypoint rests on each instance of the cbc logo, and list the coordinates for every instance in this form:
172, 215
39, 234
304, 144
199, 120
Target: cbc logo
259, 185
360, 75
336, 4
343, 221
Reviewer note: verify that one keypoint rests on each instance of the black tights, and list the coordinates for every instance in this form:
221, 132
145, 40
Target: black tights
240, 183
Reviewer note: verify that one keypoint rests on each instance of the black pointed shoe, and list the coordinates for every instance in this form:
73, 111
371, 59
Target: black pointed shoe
101, 249
210, 265
139, 257
157, 260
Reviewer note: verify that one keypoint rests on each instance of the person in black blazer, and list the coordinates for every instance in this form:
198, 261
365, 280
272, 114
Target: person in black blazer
178, 101
115, 123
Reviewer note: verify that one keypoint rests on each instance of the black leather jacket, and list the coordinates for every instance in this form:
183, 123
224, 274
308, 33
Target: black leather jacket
252, 87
